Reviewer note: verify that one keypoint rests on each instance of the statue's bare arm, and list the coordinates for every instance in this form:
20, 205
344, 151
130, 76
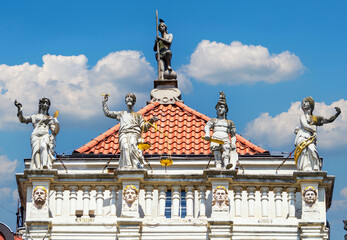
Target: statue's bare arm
20, 116
332, 118
107, 112
207, 129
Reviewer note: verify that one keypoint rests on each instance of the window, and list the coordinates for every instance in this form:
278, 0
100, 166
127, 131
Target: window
168, 204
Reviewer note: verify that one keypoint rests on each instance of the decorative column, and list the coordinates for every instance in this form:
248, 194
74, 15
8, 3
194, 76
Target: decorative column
189, 201
291, 202
238, 199
162, 198
251, 200
148, 199
175, 207
59, 195
278, 201
73, 200
86, 199
264, 201
99, 200
113, 200
202, 201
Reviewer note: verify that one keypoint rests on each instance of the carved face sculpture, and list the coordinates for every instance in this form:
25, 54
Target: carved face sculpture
130, 194
221, 109
130, 99
39, 196
310, 195
220, 196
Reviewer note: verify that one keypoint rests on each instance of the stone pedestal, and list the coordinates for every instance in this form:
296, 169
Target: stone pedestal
38, 229
220, 212
220, 230
129, 229
313, 230
128, 178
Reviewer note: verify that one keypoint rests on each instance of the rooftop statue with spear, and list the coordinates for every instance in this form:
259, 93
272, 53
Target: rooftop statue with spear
162, 47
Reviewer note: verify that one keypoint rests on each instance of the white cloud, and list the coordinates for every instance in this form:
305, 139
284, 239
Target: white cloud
7, 168
338, 205
278, 131
216, 63
5, 192
74, 88
344, 192
15, 195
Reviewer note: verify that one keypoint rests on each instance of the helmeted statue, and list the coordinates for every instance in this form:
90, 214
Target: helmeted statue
223, 140
306, 155
131, 126
163, 44
42, 142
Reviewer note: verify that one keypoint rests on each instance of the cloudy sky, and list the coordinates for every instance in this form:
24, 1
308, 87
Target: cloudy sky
265, 56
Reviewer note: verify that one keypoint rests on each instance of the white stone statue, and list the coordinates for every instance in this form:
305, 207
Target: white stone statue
306, 155
310, 208
39, 197
225, 154
42, 142
131, 126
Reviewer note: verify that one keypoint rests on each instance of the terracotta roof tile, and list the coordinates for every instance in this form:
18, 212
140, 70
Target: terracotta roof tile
183, 125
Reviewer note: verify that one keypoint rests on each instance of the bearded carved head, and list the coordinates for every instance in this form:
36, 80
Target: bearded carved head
39, 196
310, 195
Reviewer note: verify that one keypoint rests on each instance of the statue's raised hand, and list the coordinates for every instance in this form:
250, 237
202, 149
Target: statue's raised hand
18, 105
338, 110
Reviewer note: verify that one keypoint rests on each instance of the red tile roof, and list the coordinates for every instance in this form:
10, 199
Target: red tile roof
183, 125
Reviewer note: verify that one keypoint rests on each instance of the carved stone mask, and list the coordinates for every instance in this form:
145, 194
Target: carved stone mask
310, 197
39, 196
220, 196
130, 194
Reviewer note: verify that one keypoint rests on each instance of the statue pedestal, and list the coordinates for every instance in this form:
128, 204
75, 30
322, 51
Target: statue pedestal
38, 229
129, 229
313, 230
315, 179
165, 92
220, 229
130, 209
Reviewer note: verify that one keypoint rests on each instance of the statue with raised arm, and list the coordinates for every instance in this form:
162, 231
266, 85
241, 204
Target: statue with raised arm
223, 140
131, 126
42, 142
306, 155
162, 46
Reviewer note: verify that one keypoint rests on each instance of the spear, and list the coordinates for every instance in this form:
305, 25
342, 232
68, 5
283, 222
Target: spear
158, 57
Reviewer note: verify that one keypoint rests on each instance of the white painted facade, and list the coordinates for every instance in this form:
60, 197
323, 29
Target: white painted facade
85, 203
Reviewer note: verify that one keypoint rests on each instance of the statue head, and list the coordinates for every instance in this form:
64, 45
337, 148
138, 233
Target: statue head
130, 99
310, 195
307, 103
39, 196
222, 106
130, 194
220, 196
162, 26
44, 104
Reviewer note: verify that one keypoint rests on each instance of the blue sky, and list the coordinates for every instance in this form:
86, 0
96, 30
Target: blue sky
265, 55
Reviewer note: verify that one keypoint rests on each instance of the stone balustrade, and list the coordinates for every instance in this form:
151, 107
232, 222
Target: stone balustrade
263, 202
